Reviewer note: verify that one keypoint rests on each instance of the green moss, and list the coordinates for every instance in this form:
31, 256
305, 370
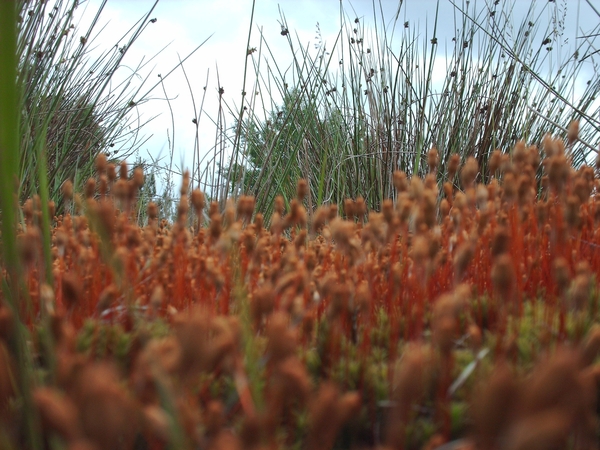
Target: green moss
419, 431
458, 415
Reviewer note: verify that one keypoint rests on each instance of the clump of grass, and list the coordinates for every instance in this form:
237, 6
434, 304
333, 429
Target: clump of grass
74, 98
366, 105
70, 106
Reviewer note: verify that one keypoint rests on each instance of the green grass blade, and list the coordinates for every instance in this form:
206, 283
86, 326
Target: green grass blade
9, 168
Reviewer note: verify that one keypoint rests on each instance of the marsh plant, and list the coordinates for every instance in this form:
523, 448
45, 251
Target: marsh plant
78, 93
366, 104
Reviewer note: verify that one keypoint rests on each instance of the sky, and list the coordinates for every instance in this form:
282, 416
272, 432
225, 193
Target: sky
219, 63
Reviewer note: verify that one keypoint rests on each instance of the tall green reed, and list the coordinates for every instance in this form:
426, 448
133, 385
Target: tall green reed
9, 172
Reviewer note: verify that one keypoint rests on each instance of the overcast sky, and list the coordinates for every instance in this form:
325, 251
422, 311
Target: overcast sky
187, 23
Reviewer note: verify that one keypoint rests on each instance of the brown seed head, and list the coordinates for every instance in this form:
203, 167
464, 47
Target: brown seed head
420, 250
453, 165
547, 430
108, 415
533, 157
157, 424
152, 211
475, 337
319, 218
360, 207
185, 183
431, 184
348, 406
583, 268
107, 297
182, 209
409, 386
90, 188
520, 155
262, 302
562, 274
432, 159
58, 414
444, 331
123, 171
400, 181
349, 208
416, 188
583, 187
555, 383
28, 245
504, 276
333, 212
493, 406
541, 212
552, 147
481, 196
105, 213
279, 206
301, 190
103, 187
215, 226
579, 292
462, 258
138, 177
111, 172
525, 190
121, 190
157, 297
293, 380
342, 231
28, 210
67, 190
573, 132
509, 187
206, 342
572, 212
245, 206
495, 161
469, 172
281, 341
258, 222
500, 242
101, 163
558, 172
328, 412
72, 290
429, 208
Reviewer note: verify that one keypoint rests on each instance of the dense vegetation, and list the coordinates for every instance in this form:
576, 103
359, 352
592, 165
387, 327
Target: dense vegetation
355, 111
430, 279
